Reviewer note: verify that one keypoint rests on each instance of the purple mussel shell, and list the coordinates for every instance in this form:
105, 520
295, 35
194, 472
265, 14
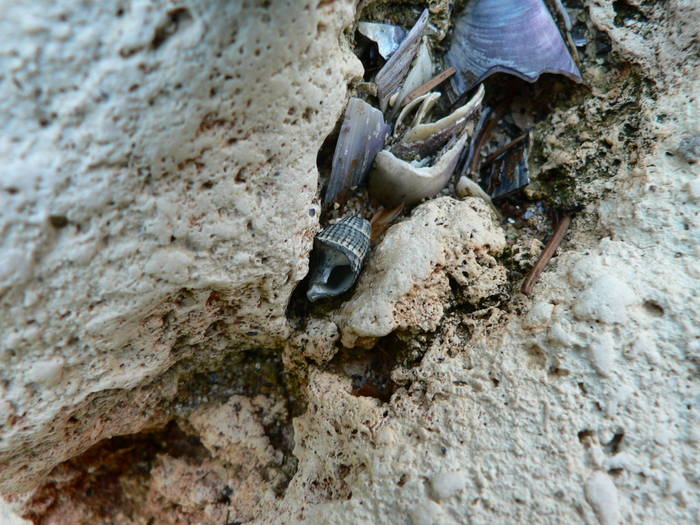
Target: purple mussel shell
518, 37
362, 136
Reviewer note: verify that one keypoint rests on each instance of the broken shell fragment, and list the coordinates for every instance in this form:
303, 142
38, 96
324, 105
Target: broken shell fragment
508, 171
393, 181
339, 251
456, 118
426, 102
424, 139
466, 187
518, 37
362, 136
420, 73
390, 77
386, 36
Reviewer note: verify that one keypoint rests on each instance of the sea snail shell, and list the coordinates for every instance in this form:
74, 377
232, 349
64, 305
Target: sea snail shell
339, 251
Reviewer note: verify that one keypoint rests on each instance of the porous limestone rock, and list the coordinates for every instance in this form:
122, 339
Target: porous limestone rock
407, 281
158, 189
571, 406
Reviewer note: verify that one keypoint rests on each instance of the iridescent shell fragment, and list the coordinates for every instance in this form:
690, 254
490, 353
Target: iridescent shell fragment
387, 37
518, 37
361, 137
508, 172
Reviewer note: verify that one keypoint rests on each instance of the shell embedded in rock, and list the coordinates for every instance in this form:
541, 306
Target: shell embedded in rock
389, 78
393, 181
339, 251
518, 37
362, 135
387, 37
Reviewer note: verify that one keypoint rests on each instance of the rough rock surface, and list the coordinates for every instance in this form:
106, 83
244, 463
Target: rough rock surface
158, 192
578, 405
407, 280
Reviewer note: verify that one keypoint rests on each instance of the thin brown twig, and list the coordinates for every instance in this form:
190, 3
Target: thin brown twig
546, 255
490, 158
430, 84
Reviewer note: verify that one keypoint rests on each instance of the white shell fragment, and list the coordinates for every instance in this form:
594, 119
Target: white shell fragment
362, 135
339, 251
426, 102
424, 139
390, 77
457, 117
387, 37
420, 73
468, 188
393, 181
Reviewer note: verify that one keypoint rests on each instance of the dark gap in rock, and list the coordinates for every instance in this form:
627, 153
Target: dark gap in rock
371, 369
58, 221
613, 446
585, 436
176, 19
625, 13
247, 373
653, 308
111, 478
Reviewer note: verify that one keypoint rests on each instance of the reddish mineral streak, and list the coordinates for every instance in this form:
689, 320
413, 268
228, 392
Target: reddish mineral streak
382, 219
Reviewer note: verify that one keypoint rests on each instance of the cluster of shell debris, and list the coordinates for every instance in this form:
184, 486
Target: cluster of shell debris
419, 126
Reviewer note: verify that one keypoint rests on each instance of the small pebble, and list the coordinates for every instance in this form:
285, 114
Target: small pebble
693, 189
601, 495
446, 484
606, 300
603, 353
426, 513
47, 372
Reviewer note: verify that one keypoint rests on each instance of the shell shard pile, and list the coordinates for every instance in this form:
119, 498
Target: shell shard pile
518, 37
418, 159
362, 135
394, 180
387, 37
339, 251
391, 76
423, 139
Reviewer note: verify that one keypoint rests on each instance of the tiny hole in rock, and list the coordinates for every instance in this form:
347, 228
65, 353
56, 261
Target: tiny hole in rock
585, 436
653, 308
58, 221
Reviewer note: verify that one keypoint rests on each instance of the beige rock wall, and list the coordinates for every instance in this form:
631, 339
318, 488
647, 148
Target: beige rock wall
577, 405
158, 191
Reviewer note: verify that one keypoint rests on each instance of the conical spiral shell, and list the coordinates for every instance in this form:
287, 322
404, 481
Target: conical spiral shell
350, 235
